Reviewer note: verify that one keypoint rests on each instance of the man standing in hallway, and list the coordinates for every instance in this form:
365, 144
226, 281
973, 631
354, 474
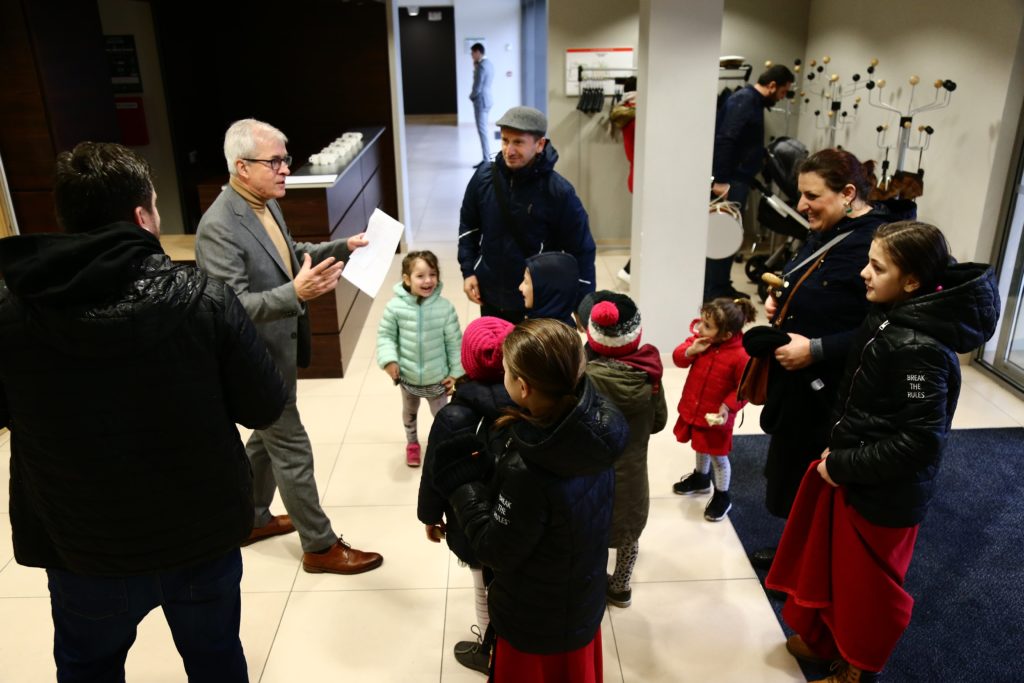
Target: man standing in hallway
483, 76
243, 241
739, 157
122, 376
515, 207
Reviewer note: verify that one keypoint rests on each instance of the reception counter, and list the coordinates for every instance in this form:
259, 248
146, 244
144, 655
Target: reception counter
324, 203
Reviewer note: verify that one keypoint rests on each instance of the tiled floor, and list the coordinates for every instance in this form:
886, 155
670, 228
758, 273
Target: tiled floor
698, 611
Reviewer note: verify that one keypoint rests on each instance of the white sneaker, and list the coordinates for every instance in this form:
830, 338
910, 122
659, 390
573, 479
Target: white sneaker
623, 275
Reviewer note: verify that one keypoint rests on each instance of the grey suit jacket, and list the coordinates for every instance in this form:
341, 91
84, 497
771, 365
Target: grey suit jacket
483, 75
233, 247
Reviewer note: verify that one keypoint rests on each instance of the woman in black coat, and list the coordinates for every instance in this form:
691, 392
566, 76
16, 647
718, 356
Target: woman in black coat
826, 309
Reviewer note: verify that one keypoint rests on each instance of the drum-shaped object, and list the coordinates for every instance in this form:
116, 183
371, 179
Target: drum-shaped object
725, 231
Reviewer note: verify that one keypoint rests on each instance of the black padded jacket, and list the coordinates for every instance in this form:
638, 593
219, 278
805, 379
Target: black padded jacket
898, 397
543, 526
122, 376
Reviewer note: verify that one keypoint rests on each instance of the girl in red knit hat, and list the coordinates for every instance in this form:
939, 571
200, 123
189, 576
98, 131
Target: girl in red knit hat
708, 406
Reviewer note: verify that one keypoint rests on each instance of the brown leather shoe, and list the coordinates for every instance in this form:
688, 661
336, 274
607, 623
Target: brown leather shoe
341, 558
796, 646
278, 525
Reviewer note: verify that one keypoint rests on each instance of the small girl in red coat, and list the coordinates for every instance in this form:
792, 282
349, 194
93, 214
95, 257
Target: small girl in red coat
709, 405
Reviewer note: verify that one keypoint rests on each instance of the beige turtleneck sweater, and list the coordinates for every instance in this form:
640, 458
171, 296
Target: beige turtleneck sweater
259, 207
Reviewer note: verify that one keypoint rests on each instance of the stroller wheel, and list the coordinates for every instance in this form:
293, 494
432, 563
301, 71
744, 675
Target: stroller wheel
754, 266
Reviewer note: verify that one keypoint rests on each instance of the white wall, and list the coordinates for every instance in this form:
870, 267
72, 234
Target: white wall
129, 17
973, 44
589, 157
593, 161
497, 22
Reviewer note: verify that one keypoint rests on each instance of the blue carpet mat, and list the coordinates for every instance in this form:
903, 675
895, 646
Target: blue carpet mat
967, 575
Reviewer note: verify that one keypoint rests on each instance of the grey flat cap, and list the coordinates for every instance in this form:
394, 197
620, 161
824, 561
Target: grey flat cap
525, 119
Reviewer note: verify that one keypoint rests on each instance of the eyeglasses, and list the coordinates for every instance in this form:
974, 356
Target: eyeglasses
275, 162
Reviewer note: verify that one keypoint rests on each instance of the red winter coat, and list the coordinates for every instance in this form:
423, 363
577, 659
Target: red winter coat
713, 379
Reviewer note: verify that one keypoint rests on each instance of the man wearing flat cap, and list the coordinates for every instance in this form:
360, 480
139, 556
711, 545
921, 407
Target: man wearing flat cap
516, 207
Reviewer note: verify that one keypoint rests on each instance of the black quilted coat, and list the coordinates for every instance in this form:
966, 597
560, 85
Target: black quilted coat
897, 401
122, 376
545, 533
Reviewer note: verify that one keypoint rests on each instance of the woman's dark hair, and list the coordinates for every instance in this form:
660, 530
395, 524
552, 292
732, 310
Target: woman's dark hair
410, 260
917, 249
729, 315
99, 183
547, 355
838, 168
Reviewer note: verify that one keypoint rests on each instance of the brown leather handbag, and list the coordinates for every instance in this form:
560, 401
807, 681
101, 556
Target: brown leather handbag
754, 380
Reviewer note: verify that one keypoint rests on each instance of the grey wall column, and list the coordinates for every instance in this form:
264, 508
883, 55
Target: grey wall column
678, 64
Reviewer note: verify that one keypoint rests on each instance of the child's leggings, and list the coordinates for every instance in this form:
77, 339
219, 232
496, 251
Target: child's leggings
480, 599
625, 560
411, 406
723, 470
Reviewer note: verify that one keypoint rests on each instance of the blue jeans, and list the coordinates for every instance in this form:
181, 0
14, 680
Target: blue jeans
95, 620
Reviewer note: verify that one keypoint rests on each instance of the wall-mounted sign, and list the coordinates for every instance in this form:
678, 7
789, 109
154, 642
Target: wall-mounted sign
124, 64
602, 64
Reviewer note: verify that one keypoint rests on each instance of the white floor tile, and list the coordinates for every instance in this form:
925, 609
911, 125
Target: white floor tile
379, 636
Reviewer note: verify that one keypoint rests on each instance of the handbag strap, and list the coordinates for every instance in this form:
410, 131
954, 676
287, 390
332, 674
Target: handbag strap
777, 320
821, 250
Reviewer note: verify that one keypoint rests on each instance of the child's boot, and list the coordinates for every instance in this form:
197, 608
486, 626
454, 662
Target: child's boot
693, 483
412, 455
843, 672
718, 507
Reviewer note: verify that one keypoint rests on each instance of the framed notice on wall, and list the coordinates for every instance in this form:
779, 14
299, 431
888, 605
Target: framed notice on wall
124, 64
598, 64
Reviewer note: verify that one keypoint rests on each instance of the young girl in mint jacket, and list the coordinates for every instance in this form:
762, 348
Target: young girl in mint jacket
418, 343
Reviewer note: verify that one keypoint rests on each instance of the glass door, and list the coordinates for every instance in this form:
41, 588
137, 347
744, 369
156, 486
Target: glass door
1004, 353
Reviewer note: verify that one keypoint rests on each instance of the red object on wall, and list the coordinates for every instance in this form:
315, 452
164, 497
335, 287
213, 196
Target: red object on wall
131, 119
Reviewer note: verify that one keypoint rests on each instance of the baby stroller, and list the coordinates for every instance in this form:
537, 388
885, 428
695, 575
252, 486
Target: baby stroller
776, 212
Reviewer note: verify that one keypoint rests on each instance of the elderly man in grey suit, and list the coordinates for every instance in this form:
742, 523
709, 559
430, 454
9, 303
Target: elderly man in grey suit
243, 241
483, 75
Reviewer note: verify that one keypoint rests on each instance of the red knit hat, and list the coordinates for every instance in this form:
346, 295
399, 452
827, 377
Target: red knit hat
614, 325
481, 348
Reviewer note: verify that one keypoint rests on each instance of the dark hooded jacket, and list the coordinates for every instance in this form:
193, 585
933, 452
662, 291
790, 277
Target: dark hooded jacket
546, 215
122, 376
897, 401
556, 280
475, 406
543, 528
633, 384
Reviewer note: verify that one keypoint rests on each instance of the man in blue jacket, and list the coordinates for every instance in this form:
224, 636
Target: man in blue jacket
739, 156
514, 208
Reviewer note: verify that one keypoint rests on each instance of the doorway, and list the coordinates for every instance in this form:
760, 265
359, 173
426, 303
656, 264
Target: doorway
427, 36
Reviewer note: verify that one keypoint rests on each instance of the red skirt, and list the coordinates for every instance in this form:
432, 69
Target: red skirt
708, 440
844, 576
583, 665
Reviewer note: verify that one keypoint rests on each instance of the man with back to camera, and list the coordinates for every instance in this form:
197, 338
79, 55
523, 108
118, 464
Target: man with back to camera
739, 157
122, 376
243, 240
515, 207
480, 95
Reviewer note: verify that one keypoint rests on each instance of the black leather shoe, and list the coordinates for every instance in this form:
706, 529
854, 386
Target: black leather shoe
763, 558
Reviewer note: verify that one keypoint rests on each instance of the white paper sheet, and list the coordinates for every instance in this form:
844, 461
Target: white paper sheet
369, 265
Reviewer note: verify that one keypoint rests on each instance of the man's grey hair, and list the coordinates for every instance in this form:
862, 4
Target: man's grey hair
242, 138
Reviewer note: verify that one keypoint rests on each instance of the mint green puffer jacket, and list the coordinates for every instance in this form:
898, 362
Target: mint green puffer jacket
424, 339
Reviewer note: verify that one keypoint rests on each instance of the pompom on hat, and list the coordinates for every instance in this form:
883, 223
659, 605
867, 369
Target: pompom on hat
481, 348
614, 326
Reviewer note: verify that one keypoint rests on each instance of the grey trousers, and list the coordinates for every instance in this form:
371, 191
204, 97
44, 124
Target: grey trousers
481, 127
410, 408
282, 458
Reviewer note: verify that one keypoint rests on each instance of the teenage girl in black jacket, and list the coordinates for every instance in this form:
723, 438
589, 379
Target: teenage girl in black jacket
850, 537
543, 526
